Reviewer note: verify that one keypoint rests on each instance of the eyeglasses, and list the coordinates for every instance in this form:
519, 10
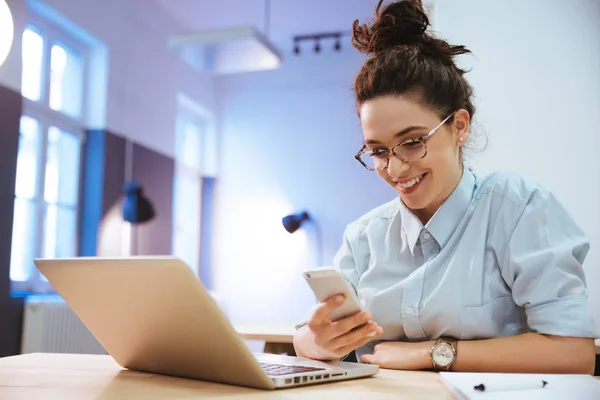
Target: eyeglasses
412, 149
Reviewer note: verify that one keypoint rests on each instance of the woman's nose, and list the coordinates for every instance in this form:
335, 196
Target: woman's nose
397, 167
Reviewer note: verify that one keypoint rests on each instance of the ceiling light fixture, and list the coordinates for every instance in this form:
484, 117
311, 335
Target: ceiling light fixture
232, 50
317, 38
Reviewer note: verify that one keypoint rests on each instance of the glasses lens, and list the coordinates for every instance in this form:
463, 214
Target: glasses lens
411, 151
375, 161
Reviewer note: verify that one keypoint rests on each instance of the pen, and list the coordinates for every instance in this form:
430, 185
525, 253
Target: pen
515, 385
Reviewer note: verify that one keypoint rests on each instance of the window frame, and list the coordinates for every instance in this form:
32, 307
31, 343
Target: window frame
189, 111
47, 117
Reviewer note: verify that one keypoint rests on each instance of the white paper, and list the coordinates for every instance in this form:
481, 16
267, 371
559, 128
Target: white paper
569, 387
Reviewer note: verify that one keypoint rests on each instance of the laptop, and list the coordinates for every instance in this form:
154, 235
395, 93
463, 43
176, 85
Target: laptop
154, 315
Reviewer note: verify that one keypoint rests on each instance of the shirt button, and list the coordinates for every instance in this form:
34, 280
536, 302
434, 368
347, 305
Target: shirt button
427, 236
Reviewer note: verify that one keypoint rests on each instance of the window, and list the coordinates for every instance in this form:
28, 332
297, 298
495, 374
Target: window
48, 160
66, 80
187, 190
25, 226
33, 55
194, 182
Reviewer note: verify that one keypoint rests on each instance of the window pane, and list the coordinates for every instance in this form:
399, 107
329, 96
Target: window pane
60, 228
186, 236
62, 167
66, 80
33, 61
188, 141
27, 158
23, 240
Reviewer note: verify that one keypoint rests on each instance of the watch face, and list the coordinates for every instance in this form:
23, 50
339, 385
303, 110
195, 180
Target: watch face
442, 354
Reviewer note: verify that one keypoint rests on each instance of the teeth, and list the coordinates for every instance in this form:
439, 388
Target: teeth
406, 185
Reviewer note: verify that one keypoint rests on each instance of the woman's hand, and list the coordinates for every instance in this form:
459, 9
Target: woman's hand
400, 355
332, 340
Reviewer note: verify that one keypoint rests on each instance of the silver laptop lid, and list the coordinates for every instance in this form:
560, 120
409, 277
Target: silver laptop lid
154, 315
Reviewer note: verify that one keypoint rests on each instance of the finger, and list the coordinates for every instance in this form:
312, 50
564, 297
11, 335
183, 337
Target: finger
359, 343
368, 330
347, 324
349, 341
319, 322
367, 359
323, 310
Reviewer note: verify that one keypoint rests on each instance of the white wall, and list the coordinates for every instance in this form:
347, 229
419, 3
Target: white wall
537, 82
288, 140
144, 76
538, 91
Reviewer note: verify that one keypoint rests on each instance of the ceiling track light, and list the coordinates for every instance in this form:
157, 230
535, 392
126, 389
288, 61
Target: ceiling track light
317, 39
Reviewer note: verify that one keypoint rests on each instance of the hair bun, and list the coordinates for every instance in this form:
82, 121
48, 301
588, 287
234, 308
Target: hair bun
401, 23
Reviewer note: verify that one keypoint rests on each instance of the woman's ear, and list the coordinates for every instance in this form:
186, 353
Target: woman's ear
461, 126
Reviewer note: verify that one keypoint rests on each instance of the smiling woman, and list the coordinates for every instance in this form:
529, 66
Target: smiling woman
459, 272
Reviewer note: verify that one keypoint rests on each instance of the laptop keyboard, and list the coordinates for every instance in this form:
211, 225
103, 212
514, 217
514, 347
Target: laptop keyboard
280, 369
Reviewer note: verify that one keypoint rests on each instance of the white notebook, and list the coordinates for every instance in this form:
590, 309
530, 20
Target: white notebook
569, 387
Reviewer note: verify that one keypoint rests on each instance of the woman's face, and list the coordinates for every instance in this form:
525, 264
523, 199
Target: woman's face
426, 183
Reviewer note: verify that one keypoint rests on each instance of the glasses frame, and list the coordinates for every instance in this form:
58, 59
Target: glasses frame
423, 139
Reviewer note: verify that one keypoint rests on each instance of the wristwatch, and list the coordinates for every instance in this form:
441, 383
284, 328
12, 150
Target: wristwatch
443, 354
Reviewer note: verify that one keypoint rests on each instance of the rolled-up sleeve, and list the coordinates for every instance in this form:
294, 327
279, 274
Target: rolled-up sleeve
543, 267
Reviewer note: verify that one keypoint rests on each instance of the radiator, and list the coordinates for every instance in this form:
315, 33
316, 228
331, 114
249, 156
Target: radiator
50, 326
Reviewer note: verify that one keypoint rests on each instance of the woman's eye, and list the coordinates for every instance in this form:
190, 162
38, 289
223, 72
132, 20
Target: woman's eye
379, 153
410, 143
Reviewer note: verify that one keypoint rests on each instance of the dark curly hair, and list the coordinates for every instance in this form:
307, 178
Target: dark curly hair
405, 59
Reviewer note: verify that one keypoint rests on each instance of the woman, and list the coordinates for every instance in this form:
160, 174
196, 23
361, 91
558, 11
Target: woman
460, 273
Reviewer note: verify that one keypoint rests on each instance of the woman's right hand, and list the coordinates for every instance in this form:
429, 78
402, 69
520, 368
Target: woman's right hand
331, 339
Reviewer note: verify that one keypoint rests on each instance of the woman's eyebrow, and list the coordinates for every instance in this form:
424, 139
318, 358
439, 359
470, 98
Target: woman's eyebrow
399, 134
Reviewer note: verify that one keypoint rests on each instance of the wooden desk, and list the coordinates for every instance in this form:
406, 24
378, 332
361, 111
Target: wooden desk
278, 339
65, 377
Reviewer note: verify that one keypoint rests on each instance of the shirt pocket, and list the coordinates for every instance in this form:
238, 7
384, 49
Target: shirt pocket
497, 318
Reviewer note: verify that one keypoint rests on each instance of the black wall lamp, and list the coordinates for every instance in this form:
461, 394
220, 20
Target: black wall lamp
137, 208
293, 222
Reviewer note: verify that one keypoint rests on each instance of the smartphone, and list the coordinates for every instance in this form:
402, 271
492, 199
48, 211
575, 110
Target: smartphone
328, 282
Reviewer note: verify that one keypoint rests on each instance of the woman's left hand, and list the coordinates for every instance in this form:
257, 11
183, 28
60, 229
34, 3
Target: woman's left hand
400, 355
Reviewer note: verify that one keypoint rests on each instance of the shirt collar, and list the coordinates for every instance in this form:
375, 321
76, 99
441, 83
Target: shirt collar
446, 219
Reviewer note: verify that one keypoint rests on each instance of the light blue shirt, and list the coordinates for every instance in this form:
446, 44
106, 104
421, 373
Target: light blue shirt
500, 257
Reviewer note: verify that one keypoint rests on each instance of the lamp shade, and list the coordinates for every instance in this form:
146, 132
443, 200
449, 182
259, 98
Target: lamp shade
229, 50
292, 223
137, 208
6, 30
